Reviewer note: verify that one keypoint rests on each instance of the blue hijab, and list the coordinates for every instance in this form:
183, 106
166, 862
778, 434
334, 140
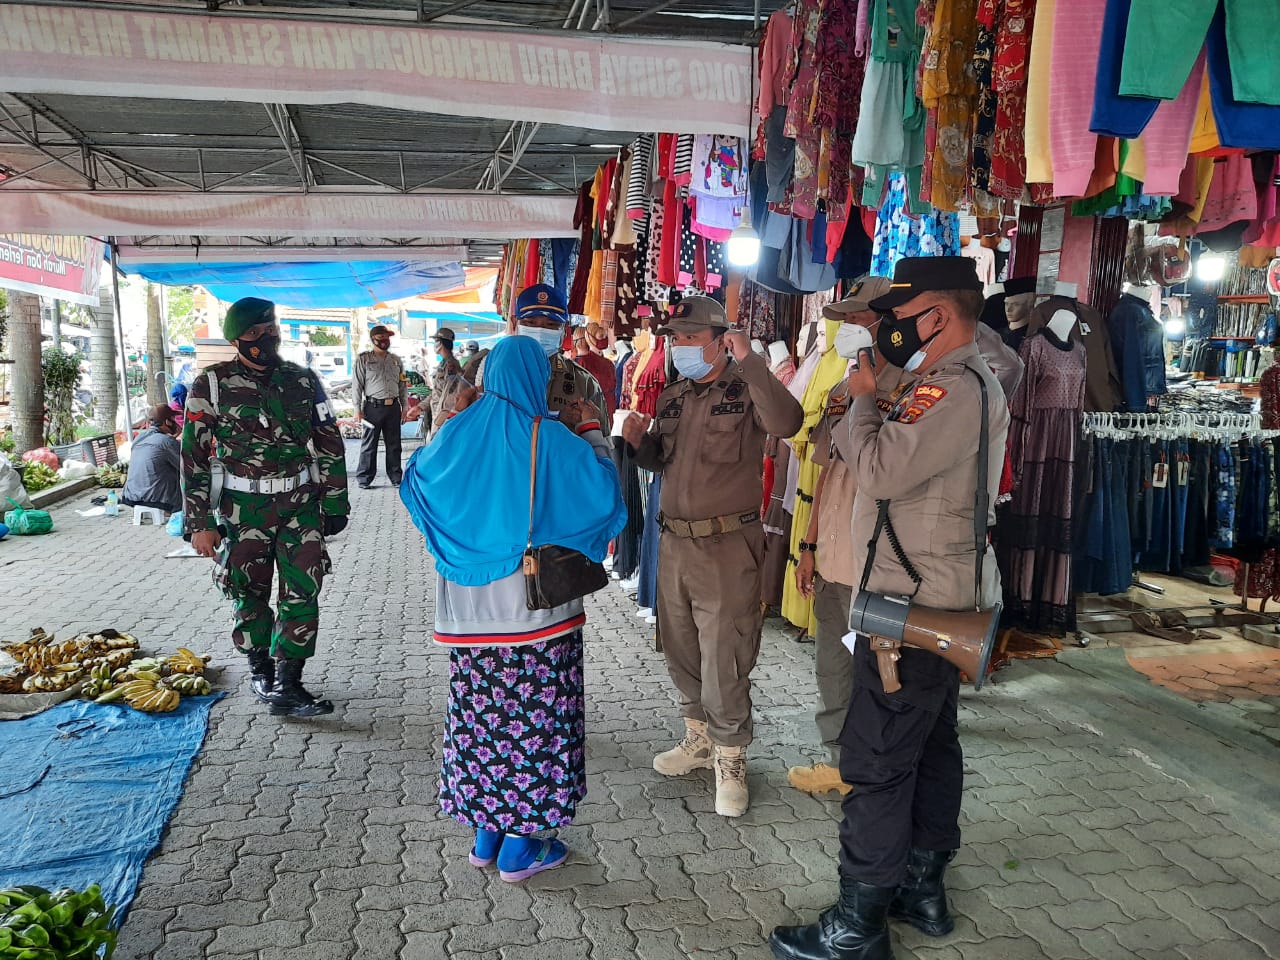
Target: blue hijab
468, 490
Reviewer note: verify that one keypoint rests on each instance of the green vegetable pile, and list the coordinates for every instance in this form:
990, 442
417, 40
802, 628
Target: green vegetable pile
66, 925
38, 476
112, 475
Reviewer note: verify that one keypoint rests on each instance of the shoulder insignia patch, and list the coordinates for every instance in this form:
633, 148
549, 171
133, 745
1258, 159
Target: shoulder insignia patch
734, 391
911, 407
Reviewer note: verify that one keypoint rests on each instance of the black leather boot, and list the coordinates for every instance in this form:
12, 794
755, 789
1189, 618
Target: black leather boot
290, 698
856, 927
262, 674
922, 898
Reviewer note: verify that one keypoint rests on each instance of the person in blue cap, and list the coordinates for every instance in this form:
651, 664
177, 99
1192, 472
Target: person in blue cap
542, 315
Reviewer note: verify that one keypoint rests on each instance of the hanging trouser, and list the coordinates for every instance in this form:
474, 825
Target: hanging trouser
1163, 38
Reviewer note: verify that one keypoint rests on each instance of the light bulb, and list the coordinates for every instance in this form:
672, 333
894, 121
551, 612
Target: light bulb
744, 246
1211, 267
1174, 329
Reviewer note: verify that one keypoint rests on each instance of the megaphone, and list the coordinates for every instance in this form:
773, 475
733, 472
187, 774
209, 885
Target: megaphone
965, 639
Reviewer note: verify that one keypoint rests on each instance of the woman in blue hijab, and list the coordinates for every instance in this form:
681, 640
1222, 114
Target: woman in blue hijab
513, 760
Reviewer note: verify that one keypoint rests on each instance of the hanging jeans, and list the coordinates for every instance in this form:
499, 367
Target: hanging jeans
1107, 567
1156, 556
647, 593
1180, 487
1195, 545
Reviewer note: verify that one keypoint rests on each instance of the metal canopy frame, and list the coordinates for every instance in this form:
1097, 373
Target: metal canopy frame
104, 144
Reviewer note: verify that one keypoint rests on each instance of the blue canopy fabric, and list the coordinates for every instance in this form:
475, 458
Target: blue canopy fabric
360, 283
88, 789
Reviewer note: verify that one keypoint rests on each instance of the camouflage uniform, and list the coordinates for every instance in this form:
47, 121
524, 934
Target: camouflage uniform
266, 425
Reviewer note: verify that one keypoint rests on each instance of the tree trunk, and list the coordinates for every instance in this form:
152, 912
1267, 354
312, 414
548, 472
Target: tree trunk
28, 377
157, 390
105, 378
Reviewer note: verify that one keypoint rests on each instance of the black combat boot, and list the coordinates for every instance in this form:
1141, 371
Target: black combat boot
262, 674
290, 698
922, 899
856, 927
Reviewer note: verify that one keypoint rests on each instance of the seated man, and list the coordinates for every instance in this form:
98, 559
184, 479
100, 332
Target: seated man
155, 465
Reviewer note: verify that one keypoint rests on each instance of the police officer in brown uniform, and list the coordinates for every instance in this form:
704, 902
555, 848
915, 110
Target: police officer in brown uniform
917, 471
708, 442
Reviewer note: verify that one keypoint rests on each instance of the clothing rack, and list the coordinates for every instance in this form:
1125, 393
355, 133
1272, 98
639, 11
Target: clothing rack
1218, 425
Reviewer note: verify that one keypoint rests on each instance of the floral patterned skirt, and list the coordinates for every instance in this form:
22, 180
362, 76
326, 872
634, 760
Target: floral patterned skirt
514, 738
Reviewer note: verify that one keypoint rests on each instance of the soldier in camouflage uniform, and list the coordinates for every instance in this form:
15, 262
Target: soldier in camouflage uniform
261, 429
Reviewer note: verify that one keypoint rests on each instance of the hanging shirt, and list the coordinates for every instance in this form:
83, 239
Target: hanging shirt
719, 166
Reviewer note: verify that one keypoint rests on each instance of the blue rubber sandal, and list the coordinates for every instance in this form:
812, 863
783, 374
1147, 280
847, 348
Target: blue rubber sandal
485, 851
551, 854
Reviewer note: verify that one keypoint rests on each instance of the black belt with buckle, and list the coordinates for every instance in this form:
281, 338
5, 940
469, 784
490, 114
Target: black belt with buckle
382, 403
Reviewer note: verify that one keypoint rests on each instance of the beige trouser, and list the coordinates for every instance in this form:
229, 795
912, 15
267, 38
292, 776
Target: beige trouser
709, 623
833, 663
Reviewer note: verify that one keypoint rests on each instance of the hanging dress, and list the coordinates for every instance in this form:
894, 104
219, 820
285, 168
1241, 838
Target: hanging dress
1036, 525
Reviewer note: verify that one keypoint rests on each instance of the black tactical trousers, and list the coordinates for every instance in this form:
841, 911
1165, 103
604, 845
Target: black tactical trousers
905, 765
384, 423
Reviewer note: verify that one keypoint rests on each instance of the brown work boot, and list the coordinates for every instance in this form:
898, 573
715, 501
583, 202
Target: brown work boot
819, 778
691, 753
731, 781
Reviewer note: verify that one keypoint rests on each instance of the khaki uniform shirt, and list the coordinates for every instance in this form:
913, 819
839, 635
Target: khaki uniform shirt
923, 456
569, 382
708, 440
380, 378
834, 559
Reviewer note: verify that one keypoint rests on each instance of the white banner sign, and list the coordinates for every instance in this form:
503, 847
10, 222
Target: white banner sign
604, 83
498, 217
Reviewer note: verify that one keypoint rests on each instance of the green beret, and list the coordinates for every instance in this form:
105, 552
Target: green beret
245, 313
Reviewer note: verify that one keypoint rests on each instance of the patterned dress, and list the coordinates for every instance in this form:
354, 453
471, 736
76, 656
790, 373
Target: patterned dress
514, 739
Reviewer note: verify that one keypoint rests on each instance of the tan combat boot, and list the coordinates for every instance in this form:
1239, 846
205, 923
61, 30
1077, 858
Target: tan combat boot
691, 753
818, 778
731, 781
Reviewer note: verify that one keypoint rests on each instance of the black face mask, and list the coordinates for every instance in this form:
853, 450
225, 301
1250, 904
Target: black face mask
899, 338
382, 344
265, 351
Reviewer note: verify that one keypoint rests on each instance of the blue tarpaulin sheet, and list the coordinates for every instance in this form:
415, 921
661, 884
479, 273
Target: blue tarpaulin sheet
360, 283
87, 791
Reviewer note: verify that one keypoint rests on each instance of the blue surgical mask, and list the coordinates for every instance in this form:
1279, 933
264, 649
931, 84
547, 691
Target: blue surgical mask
690, 362
549, 340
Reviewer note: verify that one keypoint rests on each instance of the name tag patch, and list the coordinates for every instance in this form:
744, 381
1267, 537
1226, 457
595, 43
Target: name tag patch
722, 409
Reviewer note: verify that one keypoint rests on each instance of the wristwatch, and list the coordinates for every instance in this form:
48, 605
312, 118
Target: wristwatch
808, 547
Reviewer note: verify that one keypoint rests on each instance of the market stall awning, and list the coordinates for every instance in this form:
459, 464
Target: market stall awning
338, 284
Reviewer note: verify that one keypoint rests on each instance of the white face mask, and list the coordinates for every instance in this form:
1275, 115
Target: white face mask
549, 340
852, 339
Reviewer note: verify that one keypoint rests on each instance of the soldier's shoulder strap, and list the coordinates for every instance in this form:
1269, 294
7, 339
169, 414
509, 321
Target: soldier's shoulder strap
213, 390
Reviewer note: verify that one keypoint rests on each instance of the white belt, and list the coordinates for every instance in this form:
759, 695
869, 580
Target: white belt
267, 484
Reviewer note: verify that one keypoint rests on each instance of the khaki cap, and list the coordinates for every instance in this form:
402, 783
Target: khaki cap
693, 314
865, 289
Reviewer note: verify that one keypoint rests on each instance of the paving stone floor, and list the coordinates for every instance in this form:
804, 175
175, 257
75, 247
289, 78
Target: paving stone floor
1105, 816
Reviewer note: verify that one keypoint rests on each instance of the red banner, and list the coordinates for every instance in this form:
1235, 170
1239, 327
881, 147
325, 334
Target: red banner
65, 268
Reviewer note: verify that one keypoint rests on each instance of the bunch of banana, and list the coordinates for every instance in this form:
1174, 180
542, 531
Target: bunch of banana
12, 682
185, 661
20, 648
98, 682
138, 668
53, 679
149, 695
115, 640
189, 684
114, 659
